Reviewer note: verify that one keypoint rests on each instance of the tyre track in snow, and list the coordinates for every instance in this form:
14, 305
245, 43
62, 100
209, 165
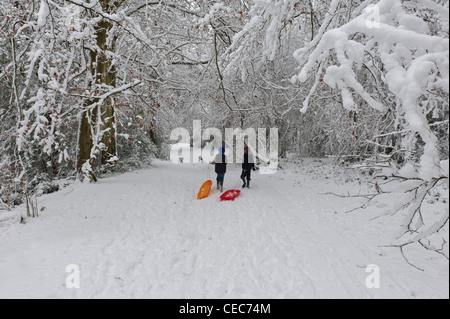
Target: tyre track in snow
154, 251
144, 235
318, 248
117, 269
127, 263
271, 262
261, 250
287, 242
104, 271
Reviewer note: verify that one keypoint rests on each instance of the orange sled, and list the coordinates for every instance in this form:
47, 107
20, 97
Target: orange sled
204, 190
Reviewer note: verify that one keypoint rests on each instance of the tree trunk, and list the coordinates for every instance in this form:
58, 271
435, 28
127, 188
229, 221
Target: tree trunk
104, 75
88, 120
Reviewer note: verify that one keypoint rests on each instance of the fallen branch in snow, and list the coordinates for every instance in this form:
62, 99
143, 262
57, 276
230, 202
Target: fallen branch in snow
369, 198
420, 193
439, 251
414, 222
401, 247
428, 246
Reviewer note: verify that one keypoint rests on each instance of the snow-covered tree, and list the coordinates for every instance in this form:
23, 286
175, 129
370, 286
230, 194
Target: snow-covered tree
406, 56
83, 78
372, 80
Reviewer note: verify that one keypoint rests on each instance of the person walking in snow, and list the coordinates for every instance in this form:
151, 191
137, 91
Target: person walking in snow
220, 163
247, 166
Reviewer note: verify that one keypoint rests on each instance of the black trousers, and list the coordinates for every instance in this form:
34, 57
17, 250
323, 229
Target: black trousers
246, 174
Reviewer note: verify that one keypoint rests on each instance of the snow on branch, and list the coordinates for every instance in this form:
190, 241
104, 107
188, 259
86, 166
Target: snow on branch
410, 61
260, 38
415, 63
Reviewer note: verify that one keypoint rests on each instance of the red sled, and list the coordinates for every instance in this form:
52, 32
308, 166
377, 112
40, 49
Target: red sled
230, 195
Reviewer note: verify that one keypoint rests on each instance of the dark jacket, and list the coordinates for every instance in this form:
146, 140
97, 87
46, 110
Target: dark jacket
249, 163
221, 164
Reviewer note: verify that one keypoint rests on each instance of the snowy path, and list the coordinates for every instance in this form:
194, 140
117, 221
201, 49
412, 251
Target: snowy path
143, 235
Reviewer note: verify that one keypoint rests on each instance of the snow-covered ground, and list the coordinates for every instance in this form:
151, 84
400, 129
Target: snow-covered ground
143, 234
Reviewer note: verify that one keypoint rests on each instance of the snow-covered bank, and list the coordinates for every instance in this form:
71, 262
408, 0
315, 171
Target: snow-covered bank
144, 235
